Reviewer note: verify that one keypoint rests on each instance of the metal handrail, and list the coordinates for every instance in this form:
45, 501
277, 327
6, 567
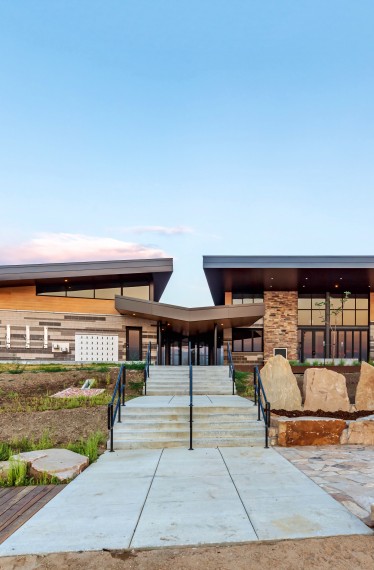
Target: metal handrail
119, 394
231, 367
263, 405
146, 367
191, 394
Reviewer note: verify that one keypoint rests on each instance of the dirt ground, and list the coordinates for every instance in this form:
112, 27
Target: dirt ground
63, 426
337, 553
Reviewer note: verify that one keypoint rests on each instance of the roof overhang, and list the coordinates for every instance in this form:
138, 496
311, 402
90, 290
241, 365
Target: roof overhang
156, 270
191, 320
288, 273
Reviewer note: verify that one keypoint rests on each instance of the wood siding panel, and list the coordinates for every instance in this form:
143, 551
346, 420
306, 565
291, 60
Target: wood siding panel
25, 299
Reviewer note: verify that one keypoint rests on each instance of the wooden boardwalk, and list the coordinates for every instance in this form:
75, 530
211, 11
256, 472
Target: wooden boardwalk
19, 504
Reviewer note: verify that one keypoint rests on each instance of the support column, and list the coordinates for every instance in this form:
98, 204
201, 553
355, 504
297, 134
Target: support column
215, 345
159, 345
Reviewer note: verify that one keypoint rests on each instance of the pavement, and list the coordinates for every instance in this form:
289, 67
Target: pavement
176, 497
345, 472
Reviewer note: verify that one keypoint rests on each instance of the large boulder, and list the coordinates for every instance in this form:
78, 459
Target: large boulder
365, 388
308, 431
325, 390
280, 384
59, 463
361, 432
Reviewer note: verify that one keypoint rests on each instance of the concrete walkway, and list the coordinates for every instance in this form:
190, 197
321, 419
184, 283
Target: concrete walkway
152, 498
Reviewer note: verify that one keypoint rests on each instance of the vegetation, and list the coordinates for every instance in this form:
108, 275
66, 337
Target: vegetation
244, 384
19, 368
18, 403
18, 473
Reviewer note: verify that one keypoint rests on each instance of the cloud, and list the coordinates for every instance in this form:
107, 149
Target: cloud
60, 247
163, 230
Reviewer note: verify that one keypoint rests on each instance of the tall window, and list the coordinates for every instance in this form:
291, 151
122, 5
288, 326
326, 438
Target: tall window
355, 310
247, 340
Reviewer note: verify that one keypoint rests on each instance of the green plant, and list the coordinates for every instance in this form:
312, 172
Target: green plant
90, 446
136, 387
243, 384
135, 365
342, 362
5, 451
17, 473
356, 363
18, 369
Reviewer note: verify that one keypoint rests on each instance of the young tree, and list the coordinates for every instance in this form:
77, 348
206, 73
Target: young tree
334, 312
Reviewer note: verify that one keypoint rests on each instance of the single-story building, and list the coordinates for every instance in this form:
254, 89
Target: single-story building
305, 307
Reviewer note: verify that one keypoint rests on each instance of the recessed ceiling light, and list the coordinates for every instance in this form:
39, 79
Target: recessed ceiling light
336, 285
306, 277
222, 324
65, 280
303, 285
272, 278
134, 314
340, 278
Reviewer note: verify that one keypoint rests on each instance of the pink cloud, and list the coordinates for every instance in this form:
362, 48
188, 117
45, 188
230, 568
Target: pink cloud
60, 247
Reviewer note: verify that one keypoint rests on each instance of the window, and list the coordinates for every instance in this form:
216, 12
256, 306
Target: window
246, 298
247, 340
311, 310
102, 290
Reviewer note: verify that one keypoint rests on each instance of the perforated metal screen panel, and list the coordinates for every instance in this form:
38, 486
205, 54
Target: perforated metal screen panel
96, 348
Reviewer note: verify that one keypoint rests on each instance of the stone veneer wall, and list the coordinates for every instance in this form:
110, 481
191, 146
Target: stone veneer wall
62, 327
280, 323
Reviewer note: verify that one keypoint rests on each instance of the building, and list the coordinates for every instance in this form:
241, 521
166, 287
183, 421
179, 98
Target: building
111, 310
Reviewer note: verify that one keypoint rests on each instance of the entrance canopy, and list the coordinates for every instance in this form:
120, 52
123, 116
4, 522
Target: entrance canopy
189, 321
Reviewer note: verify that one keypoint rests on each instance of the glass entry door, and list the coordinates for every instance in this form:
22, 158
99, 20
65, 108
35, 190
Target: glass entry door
134, 343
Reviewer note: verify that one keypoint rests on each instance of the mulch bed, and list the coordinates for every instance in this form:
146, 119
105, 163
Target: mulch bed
322, 414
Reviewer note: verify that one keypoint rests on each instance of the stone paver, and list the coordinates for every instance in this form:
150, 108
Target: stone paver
346, 473
176, 497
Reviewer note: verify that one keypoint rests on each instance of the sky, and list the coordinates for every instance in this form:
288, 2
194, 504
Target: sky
181, 128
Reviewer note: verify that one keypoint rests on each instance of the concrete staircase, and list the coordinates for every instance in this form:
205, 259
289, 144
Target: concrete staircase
168, 426
174, 380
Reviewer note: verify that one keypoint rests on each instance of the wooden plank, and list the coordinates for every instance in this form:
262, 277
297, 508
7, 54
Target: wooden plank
22, 505
25, 298
49, 491
14, 497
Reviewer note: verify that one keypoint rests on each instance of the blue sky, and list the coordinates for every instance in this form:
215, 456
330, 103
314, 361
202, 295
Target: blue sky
182, 128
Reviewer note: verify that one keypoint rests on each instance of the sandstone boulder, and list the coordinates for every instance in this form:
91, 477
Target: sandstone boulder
325, 390
280, 384
309, 431
361, 432
60, 463
365, 388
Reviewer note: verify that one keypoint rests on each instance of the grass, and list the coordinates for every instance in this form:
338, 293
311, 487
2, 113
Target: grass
136, 387
244, 384
43, 403
89, 446
18, 472
19, 368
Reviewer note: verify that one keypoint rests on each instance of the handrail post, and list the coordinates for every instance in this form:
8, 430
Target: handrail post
145, 380
110, 425
119, 399
267, 422
191, 396
123, 385
233, 382
255, 383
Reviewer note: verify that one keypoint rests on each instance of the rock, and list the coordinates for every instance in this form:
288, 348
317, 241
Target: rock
361, 432
280, 384
4, 468
372, 512
325, 390
365, 388
309, 431
60, 463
